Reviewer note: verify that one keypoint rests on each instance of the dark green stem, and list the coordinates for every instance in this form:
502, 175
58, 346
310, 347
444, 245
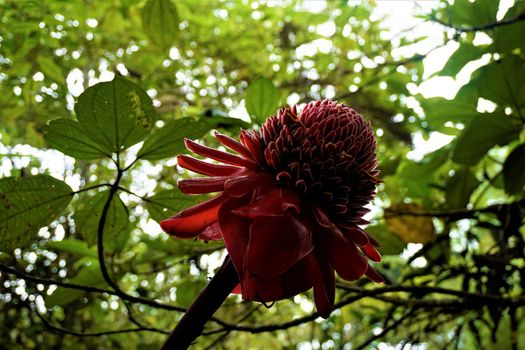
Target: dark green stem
209, 300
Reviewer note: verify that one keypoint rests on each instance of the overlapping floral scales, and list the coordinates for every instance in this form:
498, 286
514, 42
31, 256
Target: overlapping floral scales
328, 153
291, 199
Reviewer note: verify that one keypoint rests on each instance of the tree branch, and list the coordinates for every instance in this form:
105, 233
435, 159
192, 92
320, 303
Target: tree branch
91, 334
503, 22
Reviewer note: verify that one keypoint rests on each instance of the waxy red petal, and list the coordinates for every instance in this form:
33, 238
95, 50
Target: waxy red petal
204, 168
322, 218
374, 275
298, 279
274, 203
211, 233
192, 221
371, 253
252, 141
200, 185
343, 255
276, 244
235, 231
234, 145
324, 284
355, 233
240, 185
265, 290
237, 289
220, 156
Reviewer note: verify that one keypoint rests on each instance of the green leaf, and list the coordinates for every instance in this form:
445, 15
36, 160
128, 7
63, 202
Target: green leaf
511, 36
463, 55
426, 167
68, 137
459, 188
180, 247
73, 246
262, 99
187, 291
161, 22
168, 141
88, 214
514, 170
50, 68
27, 204
391, 244
439, 111
481, 134
502, 81
466, 13
115, 114
166, 203
397, 83
87, 276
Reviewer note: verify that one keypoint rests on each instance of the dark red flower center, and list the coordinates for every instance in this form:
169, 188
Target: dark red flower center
326, 153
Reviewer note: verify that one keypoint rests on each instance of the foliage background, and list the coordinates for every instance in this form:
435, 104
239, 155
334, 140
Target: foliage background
451, 223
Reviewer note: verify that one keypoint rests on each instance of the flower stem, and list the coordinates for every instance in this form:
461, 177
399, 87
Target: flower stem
209, 300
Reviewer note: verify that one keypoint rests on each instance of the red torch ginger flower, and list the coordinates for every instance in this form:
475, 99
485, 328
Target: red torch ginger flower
290, 204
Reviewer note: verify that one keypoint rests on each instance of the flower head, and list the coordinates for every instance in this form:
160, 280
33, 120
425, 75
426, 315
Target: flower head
291, 199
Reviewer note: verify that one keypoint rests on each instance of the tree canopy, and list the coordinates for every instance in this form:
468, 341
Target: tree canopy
97, 98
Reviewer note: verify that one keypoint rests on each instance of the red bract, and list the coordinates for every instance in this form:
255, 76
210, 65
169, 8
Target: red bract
290, 202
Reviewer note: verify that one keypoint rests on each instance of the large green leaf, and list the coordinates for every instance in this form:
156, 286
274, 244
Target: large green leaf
68, 137
169, 140
430, 163
73, 246
187, 291
27, 204
50, 69
161, 22
464, 54
391, 244
514, 170
166, 203
467, 13
262, 99
397, 82
502, 81
459, 188
439, 111
115, 114
88, 214
481, 134
509, 37
88, 276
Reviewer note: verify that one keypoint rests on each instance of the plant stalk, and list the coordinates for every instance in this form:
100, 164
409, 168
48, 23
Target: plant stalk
209, 300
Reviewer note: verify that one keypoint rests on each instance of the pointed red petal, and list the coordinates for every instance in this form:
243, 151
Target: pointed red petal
240, 185
201, 185
235, 232
298, 279
374, 275
211, 233
274, 203
237, 289
204, 168
322, 218
234, 145
253, 143
192, 221
265, 290
324, 285
220, 156
343, 255
276, 244
371, 253
354, 233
